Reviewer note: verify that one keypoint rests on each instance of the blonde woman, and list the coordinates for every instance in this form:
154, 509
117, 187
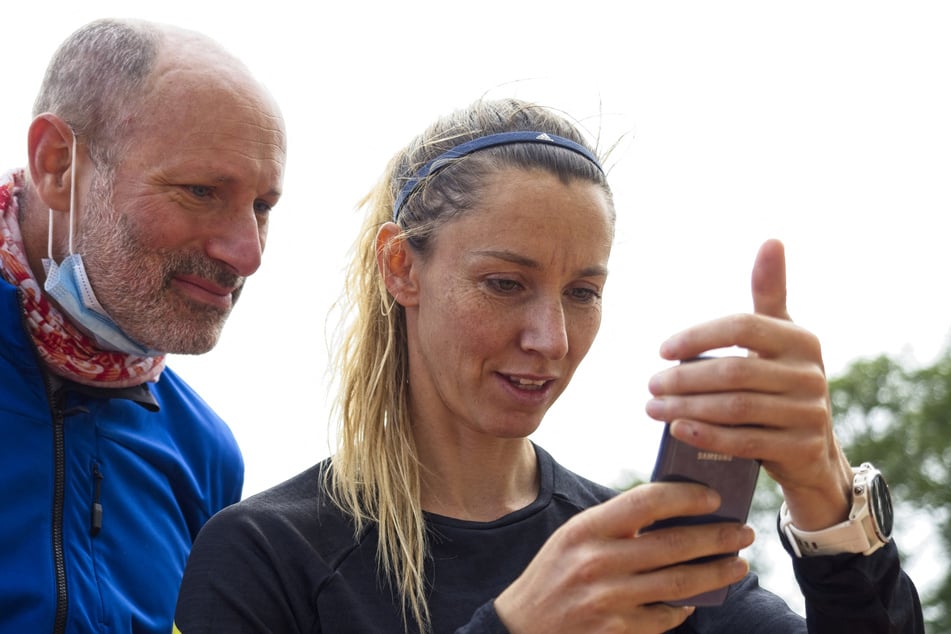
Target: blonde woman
476, 290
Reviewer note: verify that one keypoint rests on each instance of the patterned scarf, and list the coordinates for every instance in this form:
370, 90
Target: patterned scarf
65, 350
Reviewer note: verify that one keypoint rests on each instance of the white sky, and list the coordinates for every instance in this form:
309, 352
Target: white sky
824, 124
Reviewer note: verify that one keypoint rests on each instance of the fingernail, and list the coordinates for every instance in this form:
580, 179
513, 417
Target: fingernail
740, 567
668, 349
747, 536
657, 408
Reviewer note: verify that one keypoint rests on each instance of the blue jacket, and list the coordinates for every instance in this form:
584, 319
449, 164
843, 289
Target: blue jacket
101, 493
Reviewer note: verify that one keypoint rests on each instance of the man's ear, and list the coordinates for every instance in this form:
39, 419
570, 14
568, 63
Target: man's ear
50, 143
396, 262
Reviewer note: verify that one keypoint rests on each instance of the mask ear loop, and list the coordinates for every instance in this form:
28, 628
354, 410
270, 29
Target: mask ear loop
72, 202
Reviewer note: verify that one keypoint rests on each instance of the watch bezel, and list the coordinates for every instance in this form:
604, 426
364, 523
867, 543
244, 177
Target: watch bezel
880, 505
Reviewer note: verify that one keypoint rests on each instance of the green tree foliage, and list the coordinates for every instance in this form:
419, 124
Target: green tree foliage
900, 419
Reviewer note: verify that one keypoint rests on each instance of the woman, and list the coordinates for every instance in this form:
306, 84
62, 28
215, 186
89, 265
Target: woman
477, 290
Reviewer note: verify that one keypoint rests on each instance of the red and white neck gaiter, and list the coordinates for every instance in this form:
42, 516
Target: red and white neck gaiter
66, 350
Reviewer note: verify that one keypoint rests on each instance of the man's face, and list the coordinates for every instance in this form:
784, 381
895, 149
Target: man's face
170, 237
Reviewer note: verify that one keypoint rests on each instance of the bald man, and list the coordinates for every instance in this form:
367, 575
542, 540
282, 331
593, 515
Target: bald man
154, 159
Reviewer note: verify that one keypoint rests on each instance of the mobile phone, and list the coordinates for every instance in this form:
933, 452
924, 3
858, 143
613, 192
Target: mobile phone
733, 478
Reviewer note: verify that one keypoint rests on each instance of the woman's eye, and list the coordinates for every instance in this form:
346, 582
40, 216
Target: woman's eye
584, 294
504, 285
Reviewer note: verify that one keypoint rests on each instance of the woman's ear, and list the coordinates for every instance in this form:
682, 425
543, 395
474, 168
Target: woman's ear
396, 262
50, 142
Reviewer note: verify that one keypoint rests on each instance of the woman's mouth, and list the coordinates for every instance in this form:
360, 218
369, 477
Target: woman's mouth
527, 384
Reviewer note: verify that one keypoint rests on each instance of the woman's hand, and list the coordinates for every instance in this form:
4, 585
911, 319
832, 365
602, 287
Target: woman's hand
600, 573
772, 405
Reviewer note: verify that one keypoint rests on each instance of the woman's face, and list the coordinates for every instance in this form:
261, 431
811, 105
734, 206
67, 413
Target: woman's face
506, 304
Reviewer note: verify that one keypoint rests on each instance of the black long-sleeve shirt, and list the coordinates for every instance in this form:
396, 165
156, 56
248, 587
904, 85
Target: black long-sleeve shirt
287, 560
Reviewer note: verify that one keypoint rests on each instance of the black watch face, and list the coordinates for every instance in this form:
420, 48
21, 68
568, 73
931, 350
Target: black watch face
880, 502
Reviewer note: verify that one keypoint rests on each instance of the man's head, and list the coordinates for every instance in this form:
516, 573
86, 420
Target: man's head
179, 158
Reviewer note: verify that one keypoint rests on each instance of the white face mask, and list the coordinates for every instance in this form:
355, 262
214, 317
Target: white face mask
69, 285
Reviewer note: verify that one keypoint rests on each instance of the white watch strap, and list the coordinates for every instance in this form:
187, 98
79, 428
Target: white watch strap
849, 536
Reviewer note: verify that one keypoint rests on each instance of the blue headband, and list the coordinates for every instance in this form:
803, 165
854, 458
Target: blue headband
481, 143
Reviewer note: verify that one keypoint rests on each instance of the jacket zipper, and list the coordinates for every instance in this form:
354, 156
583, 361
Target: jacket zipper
59, 414
59, 495
59, 483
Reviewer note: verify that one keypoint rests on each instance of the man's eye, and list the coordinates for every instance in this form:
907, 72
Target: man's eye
200, 191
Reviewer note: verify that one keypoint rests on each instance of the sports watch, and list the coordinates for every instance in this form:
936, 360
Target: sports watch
868, 528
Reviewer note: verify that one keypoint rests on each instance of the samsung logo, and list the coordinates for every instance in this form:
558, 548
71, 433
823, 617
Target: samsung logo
713, 456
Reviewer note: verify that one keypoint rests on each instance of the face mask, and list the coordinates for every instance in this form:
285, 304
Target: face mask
69, 285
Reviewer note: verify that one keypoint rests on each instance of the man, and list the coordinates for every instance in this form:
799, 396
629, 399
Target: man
154, 159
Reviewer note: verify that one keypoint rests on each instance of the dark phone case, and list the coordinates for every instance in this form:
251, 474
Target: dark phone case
733, 478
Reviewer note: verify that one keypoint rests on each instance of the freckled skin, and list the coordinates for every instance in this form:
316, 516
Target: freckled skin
510, 289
